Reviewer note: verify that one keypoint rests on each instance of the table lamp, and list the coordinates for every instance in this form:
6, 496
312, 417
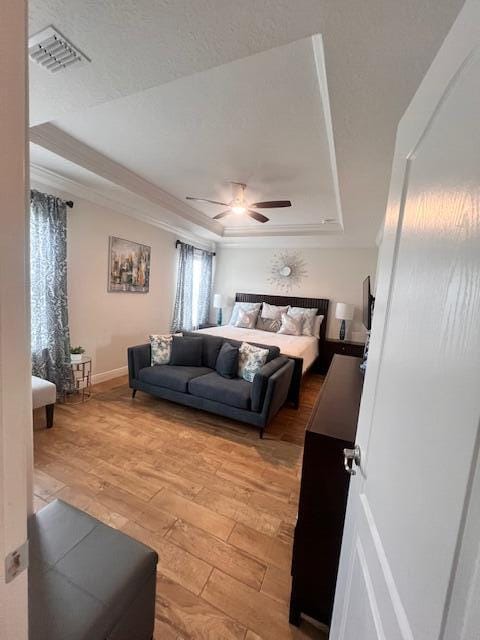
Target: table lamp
344, 312
218, 304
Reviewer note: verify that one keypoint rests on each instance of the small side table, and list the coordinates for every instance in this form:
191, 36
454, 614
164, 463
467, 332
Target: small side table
81, 389
342, 347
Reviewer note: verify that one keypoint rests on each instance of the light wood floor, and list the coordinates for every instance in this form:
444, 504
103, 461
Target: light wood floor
216, 502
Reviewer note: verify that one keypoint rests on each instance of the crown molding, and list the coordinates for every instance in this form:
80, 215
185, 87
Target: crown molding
62, 144
68, 186
323, 229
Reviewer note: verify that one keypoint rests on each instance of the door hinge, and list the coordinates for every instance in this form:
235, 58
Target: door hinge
16, 562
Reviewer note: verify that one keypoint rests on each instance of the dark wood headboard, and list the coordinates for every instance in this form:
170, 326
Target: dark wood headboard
308, 303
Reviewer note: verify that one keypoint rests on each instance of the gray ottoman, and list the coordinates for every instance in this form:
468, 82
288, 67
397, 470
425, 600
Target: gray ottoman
88, 581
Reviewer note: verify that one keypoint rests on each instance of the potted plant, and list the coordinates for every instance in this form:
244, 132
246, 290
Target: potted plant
76, 353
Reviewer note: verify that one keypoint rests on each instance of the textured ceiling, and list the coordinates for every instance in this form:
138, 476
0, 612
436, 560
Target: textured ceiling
376, 53
258, 120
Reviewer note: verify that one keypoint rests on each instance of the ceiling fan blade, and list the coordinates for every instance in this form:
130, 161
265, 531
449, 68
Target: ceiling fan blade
272, 204
219, 216
224, 204
259, 217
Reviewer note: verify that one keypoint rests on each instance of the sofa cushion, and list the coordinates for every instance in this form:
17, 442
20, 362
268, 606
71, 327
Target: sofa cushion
171, 376
234, 392
227, 361
186, 351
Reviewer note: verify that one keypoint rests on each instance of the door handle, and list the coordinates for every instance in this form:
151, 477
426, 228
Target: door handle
351, 457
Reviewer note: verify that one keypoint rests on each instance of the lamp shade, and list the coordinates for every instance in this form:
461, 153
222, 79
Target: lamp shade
217, 301
344, 311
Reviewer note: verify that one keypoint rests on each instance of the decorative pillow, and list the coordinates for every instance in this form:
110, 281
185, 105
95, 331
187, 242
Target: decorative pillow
246, 306
161, 345
317, 323
272, 311
246, 319
186, 352
227, 361
291, 326
250, 360
308, 316
267, 324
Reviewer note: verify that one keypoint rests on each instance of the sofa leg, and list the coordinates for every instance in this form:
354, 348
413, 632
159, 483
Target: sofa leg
49, 410
134, 392
261, 434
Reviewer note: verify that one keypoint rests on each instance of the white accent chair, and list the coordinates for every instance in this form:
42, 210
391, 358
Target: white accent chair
44, 394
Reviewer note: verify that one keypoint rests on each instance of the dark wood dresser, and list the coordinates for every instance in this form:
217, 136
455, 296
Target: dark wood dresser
331, 346
323, 491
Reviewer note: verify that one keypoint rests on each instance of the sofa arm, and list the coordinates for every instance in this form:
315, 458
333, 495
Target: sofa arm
139, 357
260, 381
276, 395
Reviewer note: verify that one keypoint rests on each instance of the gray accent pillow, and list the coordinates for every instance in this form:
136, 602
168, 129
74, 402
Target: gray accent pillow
291, 326
186, 352
250, 360
268, 324
227, 361
246, 306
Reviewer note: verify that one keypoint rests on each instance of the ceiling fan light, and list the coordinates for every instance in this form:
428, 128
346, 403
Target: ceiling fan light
239, 209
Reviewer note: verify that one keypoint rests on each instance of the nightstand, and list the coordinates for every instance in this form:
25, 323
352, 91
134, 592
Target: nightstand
343, 347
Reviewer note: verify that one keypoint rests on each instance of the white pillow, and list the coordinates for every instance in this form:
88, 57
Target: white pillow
317, 323
272, 311
308, 317
250, 360
291, 326
246, 306
246, 319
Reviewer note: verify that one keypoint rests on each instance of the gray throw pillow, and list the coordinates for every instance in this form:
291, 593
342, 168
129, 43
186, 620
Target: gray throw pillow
186, 352
246, 306
227, 361
268, 324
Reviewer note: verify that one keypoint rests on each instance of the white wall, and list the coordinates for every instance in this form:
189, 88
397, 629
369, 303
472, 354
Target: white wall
15, 359
336, 274
104, 323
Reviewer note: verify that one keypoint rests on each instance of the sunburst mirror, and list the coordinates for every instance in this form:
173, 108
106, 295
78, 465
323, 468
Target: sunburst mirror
288, 269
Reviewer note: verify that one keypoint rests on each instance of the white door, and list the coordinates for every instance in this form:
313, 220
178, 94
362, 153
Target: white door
410, 504
15, 360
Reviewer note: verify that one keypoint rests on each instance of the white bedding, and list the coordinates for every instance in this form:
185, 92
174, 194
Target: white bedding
305, 347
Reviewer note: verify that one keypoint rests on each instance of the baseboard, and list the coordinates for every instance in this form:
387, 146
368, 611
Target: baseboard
109, 375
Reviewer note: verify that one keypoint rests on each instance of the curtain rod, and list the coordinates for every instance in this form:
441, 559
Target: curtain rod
212, 253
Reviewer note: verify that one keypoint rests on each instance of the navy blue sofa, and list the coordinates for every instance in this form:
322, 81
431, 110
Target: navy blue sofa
255, 403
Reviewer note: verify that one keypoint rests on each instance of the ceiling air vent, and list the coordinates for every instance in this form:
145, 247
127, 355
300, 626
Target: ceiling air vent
53, 51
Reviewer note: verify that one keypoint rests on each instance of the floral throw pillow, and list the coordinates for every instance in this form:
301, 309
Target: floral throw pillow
291, 326
250, 360
161, 345
308, 316
246, 319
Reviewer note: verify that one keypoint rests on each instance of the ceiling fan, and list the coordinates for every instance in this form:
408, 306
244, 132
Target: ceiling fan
238, 205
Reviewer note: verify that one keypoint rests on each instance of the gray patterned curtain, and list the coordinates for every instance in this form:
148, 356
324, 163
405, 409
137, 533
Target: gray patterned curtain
182, 311
48, 281
194, 288
205, 290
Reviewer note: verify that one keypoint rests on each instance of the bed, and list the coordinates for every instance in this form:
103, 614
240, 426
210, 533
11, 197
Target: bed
303, 350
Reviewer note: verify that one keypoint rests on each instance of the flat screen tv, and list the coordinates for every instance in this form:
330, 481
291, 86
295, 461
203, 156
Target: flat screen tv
368, 301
